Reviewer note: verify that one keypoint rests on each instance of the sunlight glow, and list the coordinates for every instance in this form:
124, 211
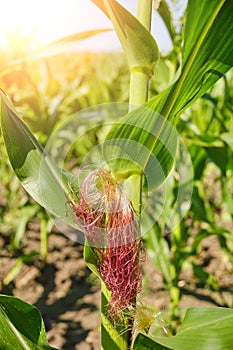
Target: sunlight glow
27, 25
44, 21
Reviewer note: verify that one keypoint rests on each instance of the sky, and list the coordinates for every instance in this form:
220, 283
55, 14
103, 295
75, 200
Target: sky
52, 19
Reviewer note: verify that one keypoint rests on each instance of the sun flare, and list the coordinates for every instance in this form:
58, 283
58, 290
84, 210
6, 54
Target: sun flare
21, 22
33, 24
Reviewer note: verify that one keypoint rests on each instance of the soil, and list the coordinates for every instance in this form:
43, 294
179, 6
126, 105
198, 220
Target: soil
68, 295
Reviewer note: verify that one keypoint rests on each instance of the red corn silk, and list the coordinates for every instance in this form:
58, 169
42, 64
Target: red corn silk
106, 215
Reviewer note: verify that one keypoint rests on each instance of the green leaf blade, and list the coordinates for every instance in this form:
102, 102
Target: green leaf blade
21, 326
207, 53
143, 142
203, 328
167, 18
42, 179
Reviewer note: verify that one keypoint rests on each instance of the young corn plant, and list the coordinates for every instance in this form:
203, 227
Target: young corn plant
138, 153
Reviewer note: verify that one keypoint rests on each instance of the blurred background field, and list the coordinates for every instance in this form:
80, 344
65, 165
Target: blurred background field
191, 265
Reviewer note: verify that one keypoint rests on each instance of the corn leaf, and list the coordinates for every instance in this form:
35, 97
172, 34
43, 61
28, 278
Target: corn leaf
138, 44
91, 259
78, 36
164, 12
147, 145
40, 176
203, 328
207, 55
22, 327
58, 47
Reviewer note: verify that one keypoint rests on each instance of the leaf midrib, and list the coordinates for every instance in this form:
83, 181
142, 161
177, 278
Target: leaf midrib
15, 331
